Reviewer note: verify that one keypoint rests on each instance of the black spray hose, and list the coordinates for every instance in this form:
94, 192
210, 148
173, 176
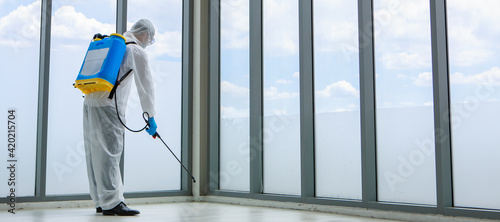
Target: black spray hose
145, 116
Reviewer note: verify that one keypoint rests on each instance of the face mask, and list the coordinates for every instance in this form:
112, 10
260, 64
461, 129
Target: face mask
151, 39
140, 41
143, 45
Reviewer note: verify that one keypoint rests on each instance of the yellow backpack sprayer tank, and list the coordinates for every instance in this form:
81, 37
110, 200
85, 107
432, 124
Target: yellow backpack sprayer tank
101, 64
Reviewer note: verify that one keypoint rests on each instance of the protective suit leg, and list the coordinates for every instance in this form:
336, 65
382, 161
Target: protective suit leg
88, 156
103, 139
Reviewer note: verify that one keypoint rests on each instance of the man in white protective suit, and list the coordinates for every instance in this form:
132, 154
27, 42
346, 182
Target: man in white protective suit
102, 131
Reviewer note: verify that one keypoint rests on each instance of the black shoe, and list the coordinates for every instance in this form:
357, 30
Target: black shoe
121, 210
98, 210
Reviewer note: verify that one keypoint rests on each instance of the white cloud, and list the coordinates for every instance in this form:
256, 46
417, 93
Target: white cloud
483, 9
459, 78
235, 24
294, 75
272, 93
423, 79
279, 112
165, 13
283, 81
281, 28
71, 24
347, 108
406, 103
338, 89
397, 20
166, 43
169, 43
232, 89
21, 27
489, 77
430, 103
385, 105
406, 60
340, 110
337, 110
67, 23
402, 76
231, 112
331, 35
470, 57
466, 47
335, 26
473, 31
402, 34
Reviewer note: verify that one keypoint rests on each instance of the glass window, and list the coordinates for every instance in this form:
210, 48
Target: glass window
234, 96
474, 53
149, 166
404, 102
74, 23
19, 52
337, 111
281, 97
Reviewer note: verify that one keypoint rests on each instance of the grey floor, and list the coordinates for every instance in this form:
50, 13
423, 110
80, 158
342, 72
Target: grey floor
173, 212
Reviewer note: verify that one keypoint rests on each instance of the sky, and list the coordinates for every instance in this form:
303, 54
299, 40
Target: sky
403, 60
402, 46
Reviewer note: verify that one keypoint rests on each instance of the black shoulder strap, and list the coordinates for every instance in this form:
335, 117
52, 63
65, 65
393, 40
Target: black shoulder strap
118, 81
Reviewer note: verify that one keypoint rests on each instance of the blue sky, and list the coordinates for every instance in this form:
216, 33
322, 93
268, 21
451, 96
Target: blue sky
402, 47
403, 53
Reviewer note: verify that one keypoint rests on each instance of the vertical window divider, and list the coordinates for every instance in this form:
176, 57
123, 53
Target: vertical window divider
306, 98
440, 78
367, 101
214, 92
187, 93
121, 16
121, 27
43, 99
256, 98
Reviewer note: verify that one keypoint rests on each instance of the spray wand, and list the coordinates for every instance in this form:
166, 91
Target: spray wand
145, 116
158, 135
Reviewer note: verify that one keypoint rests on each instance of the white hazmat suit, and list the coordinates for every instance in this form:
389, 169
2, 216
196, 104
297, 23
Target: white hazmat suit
103, 132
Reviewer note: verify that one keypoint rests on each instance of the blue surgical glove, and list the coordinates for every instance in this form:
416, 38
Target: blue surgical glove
152, 126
